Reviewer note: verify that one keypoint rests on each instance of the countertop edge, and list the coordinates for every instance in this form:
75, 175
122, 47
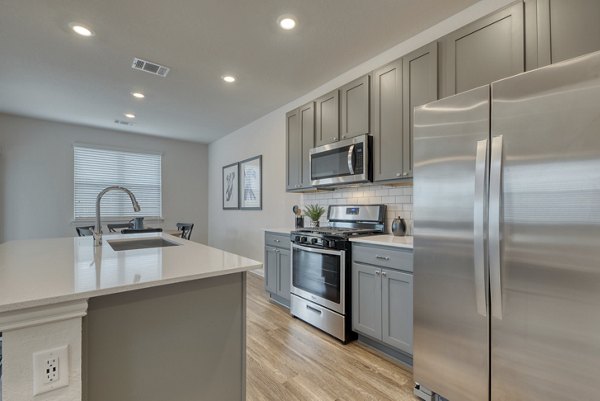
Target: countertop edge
387, 242
126, 288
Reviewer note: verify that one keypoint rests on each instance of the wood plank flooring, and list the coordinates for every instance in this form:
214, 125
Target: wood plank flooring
288, 360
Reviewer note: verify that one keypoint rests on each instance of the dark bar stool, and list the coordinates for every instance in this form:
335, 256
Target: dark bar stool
186, 230
85, 231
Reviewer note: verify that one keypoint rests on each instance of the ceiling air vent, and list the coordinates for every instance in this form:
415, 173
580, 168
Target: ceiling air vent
121, 122
152, 68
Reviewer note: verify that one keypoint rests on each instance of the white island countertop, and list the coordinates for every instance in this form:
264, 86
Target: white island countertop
48, 271
386, 240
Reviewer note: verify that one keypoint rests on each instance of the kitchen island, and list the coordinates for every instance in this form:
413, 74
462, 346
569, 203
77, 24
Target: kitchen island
140, 324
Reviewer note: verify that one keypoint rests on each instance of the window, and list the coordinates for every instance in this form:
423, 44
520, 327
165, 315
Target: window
96, 169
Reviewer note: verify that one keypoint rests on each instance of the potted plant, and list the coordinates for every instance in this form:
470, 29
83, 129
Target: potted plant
314, 213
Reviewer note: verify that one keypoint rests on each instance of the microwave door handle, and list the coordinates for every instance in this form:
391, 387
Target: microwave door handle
351, 159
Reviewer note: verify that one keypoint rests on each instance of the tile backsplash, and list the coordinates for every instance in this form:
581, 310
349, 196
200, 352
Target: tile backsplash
399, 201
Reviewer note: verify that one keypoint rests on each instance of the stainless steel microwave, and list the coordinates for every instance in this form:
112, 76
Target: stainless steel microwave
343, 162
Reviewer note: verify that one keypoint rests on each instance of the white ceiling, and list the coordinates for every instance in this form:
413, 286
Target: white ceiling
46, 71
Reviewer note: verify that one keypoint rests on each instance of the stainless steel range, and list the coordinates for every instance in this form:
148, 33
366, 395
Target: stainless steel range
321, 258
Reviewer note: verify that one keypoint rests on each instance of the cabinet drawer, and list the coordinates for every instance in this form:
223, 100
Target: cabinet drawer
383, 256
278, 240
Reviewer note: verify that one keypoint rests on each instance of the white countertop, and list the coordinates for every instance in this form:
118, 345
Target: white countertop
386, 240
280, 230
42, 272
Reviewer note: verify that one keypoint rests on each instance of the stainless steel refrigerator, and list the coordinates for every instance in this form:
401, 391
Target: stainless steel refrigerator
507, 239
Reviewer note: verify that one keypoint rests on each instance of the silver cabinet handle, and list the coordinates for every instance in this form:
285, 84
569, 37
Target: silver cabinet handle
405, 174
382, 257
313, 309
277, 240
350, 159
481, 167
398, 174
377, 272
495, 214
333, 139
384, 274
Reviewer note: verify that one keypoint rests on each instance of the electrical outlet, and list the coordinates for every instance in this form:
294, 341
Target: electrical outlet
50, 369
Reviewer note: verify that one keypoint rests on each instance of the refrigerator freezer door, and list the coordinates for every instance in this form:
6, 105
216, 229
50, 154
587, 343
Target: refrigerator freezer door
451, 326
546, 340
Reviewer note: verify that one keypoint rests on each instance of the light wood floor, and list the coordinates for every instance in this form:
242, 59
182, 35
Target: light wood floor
289, 360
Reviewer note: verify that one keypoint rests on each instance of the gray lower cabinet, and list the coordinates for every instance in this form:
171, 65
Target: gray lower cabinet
558, 30
300, 138
355, 110
484, 51
327, 129
382, 301
278, 267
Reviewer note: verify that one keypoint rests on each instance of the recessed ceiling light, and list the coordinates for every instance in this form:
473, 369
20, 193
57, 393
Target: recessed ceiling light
81, 30
138, 95
129, 115
228, 78
287, 23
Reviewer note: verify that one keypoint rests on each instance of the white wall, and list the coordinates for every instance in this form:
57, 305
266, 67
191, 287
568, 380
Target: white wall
241, 231
36, 176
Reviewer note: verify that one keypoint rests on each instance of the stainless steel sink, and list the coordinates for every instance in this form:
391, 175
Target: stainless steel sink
141, 243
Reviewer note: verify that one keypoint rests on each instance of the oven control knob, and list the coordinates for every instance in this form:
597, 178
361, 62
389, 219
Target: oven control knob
303, 239
297, 238
314, 241
325, 243
331, 244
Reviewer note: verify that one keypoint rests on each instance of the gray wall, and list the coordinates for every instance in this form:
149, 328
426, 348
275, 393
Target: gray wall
36, 176
241, 231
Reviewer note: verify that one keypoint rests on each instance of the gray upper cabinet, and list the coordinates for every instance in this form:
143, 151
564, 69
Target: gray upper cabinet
354, 114
387, 112
293, 150
483, 51
420, 86
327, 113
300, 129
307, 130
561, 29
397, 309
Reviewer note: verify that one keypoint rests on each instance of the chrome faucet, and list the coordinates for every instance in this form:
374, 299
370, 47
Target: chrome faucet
98, 229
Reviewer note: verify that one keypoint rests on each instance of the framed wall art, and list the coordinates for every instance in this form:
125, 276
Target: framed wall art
231, 191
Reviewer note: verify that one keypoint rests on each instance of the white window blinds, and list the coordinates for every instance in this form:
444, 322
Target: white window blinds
96, 169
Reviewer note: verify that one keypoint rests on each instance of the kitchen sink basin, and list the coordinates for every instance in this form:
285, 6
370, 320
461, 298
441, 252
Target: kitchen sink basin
142, 243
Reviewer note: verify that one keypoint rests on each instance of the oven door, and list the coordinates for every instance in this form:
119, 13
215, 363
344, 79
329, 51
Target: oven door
319, 275
341, 162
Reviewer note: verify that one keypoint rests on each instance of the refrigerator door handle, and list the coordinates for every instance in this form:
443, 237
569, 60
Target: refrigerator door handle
495, 214
479, 214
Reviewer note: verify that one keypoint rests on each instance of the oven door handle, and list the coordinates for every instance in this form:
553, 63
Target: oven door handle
317, 250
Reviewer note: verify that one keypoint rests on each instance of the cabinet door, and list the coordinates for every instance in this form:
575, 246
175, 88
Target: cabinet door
483, 51
327, 114
366, 300
355, 111
307, 132
566, 29
284, 274
397, 309
293, 150
420, 85
271, 259
387, 122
